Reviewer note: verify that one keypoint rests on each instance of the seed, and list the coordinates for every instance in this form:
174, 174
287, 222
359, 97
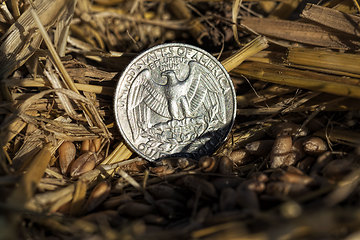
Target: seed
286, 159
281, 151
337, 169
115, 201
183, 163
259, 148
296, 178
240, 157
161, 191
297, 149
67, 152
137, 166
198, 184
290, 209
100, 157
208, 164
225, 166
155, 219
224, 182
135, 209
246, 198
315, 146
320, 162
282, 145
162, 170
306, 163
92, 147
98, 195
97, 144
227, 199
170, 208
102, 216
83, 164
203, 215
85, 146
259, 176
285, 188
292, 169
254, 185
293, 175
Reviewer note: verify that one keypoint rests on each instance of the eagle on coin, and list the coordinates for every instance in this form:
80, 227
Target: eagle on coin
175, 99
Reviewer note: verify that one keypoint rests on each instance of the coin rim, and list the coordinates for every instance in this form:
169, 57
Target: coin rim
121, 79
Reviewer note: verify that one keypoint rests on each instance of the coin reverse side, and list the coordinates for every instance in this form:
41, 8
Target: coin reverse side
175, 100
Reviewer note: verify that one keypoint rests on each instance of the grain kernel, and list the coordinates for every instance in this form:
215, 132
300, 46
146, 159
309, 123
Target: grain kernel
225, 166
208, 164
85, 146
82, 164
67, 152
98, 195
315, 146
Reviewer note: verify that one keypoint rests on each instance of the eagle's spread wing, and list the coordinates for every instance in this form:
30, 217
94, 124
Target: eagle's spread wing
145, 96
205, 89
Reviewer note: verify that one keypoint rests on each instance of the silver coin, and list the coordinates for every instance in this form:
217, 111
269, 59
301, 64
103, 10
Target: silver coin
175, 100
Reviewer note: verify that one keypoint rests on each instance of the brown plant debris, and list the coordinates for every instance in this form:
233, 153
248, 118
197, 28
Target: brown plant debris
289, 169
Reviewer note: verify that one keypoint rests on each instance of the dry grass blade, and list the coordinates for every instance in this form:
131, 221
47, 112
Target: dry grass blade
31, 178
40, 82
174, 24
6, 13
263, 95
351, 138
345, 6
33, 143
73, 96
15, 8
55, 199
55, 82
130, 180
22, 39
10, 130
250, 49
357, 5
333, 19
79, 198
120, 154
235, 12
60, 66
342, 62
300, 32
343, 189
301, 79
62, 28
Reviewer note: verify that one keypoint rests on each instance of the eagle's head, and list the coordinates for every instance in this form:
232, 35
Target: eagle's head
170, 75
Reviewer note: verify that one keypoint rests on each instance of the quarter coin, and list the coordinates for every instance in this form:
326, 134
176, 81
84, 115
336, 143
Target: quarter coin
174, 100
